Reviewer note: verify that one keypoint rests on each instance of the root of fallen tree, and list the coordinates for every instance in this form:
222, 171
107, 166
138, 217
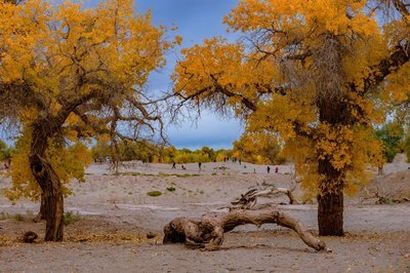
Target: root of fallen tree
208, 232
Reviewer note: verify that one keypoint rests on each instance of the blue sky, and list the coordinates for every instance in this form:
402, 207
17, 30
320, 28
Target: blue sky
196, 20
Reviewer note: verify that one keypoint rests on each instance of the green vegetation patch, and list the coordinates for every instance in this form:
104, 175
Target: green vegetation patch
154, 193
71, 217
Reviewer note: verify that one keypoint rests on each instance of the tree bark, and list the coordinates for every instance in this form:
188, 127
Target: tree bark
53, 197
333, 112
41, 215
49, 182
249, 199
208, 232
330, 200
330, 214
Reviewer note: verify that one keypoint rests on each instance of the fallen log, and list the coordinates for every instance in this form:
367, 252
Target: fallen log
248, 200
208, 232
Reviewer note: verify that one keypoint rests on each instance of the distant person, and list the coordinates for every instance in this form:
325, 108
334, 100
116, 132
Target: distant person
254, 170
240, 162
199, 165
276, 169
174, 166
268, 170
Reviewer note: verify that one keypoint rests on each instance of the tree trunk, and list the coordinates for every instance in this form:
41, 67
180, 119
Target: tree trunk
208, 232
41, 215
330, 214
249, 199
53, 197
330, 200
334, 112
49, 182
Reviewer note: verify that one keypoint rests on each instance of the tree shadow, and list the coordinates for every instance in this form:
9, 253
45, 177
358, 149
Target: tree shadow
265, 246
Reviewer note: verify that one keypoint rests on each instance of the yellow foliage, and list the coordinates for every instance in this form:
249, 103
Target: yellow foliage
66, 64
398, 87
68, 162
278, 83
257, 147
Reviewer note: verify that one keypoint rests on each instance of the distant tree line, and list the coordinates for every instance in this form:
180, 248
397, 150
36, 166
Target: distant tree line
150, 152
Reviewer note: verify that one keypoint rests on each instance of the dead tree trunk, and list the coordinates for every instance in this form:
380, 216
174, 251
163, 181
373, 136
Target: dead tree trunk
208, 232
249, 199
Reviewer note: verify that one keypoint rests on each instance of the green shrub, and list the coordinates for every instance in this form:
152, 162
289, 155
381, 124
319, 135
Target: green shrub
70, 217
154, 193
390, 135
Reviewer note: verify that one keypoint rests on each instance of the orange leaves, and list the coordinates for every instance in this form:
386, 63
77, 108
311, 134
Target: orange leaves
397, 89
19, 36
258, 147
65, 58
307, 74
48, 45
288, 17
220, 67
203, 64
335, 143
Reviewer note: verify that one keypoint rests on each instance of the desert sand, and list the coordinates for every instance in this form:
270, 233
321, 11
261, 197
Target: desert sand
113, 214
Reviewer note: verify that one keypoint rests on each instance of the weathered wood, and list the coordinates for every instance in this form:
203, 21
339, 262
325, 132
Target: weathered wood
53, 197
208, 232
41, 215
52, 207
249, 199
29, 237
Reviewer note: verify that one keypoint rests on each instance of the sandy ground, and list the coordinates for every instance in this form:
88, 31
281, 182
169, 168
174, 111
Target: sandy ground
113, 214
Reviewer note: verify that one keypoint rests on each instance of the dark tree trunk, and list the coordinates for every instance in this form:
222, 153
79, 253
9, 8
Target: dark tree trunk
330, 214
330, 200
53, 197
41, 215
330, 197
49, 182
333, 112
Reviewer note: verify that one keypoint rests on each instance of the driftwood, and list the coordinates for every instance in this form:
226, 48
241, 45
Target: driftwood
208, 232
249, 199
29, 237
383, 199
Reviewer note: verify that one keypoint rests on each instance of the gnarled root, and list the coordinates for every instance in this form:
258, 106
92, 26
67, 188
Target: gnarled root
208, 232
